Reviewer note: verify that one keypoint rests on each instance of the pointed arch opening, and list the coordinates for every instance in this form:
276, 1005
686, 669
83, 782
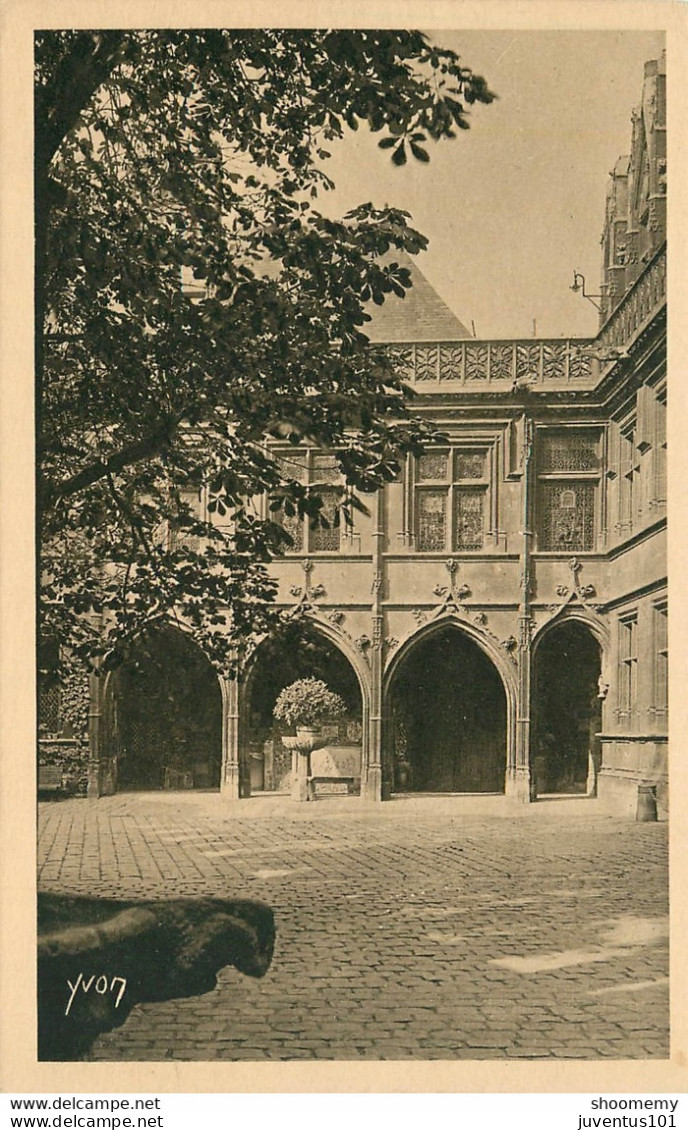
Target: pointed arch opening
448, 717
300, 649
567, 709
165, 715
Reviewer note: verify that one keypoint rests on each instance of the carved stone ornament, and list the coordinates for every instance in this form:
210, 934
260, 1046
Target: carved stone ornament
307, 592
480, 619
377, 632
363, 643
336, 616
391, 642
510, 643
450, 596
419, 615
573, 592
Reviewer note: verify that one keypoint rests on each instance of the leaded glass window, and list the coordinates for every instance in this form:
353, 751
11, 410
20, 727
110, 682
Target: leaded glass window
468, 519
469, 465
318, 470
629, 480
293, 465
324, 469
293, 525
432, 519
574, 450
177, 536
568, 463
451, 500
567, 516
48, 708
661, 673
432, 466
322, 539
628, 663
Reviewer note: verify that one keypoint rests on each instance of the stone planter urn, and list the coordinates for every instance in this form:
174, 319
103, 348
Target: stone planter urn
302, 744
305, 705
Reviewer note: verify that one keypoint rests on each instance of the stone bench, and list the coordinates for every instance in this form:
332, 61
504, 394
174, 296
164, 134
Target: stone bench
340, 765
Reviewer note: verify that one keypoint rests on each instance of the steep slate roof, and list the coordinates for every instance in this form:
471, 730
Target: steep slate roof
421, 316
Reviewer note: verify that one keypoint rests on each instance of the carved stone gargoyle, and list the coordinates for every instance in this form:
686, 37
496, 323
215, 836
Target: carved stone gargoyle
97, 958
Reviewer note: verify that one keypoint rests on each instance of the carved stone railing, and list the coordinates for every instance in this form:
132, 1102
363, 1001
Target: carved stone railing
639, 304
555, 362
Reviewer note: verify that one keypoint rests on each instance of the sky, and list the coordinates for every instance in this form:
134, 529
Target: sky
515, 204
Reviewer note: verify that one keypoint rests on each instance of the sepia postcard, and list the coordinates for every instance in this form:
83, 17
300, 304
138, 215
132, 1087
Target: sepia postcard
342, 468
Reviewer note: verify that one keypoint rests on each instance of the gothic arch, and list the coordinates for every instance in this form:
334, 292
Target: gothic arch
106, 749
584, 616
493, 651
323, 627
243, 687
505, 672
568, 660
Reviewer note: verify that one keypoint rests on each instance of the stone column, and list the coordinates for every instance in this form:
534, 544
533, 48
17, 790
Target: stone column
100, 777
519, 780
233, 783
371, 776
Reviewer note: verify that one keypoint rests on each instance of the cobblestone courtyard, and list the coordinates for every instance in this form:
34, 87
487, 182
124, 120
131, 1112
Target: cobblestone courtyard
426, 928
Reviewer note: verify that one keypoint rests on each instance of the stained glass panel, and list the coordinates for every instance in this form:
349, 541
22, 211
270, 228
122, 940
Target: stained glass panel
469, 465
325, 469
468, 519
575, 450
326, 540
177, 537
292, 465
432, 519
293, 526
432, 466
567, 516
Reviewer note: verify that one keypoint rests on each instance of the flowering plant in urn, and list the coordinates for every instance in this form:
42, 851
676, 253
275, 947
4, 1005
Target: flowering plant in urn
306, 703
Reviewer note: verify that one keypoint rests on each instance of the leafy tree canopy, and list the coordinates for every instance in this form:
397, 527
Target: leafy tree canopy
200, 155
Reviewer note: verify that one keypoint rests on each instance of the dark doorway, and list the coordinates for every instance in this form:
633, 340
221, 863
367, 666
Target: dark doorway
567, 710
448, 718
168, 716
297, 651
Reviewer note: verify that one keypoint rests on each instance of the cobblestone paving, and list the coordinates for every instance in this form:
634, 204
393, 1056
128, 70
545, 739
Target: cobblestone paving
427, 928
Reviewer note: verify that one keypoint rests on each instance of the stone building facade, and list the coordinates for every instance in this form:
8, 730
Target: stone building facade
498, 621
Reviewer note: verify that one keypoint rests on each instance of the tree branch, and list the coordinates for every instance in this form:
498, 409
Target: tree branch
155, 442
80, 72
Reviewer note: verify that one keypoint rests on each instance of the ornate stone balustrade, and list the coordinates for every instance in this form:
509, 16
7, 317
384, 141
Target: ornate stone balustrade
472, 363
548, 363
645, 298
